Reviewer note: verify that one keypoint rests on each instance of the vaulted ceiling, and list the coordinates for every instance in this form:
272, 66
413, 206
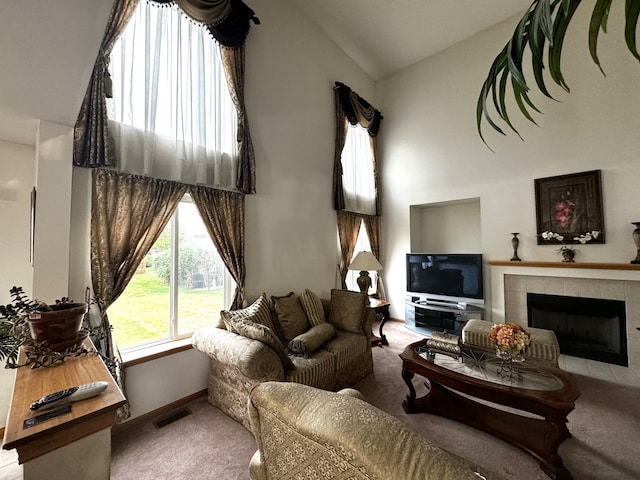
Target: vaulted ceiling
47, 49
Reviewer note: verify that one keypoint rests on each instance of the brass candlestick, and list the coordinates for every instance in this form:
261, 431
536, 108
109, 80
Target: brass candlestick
514, 243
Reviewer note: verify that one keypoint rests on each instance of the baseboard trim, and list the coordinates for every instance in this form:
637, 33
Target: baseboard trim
150, 416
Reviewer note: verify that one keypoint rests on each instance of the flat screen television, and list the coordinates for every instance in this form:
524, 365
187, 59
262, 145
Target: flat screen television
455, 277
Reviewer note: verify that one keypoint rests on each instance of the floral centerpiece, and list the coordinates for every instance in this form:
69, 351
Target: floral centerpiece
511, 340
568, 253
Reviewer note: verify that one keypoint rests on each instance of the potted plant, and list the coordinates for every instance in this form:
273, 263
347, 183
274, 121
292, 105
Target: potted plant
48, 332
568, 252
545, 23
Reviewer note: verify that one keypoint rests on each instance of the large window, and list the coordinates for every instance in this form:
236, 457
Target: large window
181, 284
358, 172
172, 118
171, 114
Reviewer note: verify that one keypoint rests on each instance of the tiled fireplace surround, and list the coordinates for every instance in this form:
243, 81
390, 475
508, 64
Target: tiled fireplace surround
516, 288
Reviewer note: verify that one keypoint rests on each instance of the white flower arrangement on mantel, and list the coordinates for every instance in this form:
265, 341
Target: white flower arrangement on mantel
567, 251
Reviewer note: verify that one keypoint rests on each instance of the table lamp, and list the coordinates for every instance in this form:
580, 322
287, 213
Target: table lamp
365, 261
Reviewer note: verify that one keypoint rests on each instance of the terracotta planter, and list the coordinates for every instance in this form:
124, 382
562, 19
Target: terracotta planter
58, 327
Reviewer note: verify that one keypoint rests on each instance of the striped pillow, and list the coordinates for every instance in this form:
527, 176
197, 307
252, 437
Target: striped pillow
312, 306
258, 312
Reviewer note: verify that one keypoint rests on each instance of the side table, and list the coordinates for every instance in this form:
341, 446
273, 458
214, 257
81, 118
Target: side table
381, 307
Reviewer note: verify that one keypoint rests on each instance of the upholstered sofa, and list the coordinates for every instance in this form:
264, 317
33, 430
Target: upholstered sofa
325, 343
304, 433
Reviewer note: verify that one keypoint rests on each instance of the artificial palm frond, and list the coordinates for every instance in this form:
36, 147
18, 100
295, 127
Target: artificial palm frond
544, 23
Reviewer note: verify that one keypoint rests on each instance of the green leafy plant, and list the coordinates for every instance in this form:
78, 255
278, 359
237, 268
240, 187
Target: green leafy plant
15, 333
544, 23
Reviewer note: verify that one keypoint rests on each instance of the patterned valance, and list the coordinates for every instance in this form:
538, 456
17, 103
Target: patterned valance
358, 110
226, 20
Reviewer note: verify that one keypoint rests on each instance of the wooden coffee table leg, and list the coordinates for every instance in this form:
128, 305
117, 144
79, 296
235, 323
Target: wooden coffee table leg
537, 436
407, 404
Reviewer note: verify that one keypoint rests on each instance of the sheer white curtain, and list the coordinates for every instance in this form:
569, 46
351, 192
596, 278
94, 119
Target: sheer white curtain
357, 171
171, 113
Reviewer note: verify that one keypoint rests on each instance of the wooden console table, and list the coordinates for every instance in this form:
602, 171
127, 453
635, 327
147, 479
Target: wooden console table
76, 444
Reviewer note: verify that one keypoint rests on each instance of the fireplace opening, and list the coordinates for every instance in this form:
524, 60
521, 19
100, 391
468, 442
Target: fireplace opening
590, 328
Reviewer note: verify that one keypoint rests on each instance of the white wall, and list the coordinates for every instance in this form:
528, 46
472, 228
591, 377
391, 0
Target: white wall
17, 171
17, 178
446, 228
291, 227
431, 152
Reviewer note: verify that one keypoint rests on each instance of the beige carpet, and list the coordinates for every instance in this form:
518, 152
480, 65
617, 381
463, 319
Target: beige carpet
208, 445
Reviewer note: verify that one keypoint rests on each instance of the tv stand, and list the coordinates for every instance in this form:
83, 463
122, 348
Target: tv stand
426, 316
443, 303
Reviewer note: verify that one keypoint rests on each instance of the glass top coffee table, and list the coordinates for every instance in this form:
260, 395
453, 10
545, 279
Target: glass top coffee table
538, 399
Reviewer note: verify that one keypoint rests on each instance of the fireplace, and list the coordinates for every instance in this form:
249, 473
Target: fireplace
590, 328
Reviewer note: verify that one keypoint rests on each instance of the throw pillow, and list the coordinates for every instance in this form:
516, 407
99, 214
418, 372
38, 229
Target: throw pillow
347, 309
308, 342
312, 306
262, 333
258, 312
290, 316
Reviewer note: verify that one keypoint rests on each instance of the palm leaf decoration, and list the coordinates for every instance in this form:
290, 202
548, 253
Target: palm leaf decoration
543, 26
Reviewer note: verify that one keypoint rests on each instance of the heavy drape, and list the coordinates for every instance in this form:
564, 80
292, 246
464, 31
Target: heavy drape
93, 142
223, 215
372, 226
226, 20
233, 61
348, 228
128, 214
93, 145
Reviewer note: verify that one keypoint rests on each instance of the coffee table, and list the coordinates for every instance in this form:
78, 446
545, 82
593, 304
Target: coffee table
537, 399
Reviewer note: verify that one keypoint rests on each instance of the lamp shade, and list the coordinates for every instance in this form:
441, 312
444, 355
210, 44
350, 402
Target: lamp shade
365, 261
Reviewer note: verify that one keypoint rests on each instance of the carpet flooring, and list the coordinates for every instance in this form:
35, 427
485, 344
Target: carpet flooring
208, 445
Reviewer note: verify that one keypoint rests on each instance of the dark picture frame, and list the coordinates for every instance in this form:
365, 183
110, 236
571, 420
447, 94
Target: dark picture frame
570, 205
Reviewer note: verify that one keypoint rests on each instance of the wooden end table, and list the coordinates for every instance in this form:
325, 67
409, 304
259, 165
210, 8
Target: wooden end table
455, 384
381, 307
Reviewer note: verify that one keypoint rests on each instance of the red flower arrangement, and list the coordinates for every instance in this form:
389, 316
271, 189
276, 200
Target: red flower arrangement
510, 337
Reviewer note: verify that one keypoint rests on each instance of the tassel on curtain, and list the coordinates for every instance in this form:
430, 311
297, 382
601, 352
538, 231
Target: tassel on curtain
93, 145
226, 20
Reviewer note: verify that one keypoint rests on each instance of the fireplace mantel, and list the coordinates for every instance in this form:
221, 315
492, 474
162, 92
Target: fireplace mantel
583, 265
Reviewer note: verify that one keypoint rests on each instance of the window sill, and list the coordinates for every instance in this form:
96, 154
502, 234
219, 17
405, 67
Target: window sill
129, 359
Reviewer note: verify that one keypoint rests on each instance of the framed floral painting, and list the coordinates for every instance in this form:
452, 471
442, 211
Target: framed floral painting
570, 206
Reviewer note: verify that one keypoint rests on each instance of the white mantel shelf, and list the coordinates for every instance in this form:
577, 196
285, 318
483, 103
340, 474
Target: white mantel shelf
583, 265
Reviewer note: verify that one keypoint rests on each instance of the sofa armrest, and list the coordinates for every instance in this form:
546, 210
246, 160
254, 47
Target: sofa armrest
252, 358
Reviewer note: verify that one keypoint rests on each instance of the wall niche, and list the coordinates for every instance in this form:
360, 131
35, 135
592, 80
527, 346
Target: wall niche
446, 227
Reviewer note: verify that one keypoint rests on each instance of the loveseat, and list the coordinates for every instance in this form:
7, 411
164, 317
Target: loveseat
305, 433
324, 343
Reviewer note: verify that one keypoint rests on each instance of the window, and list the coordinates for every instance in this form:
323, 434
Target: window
357, 171
362, 244
180, 285
171, 114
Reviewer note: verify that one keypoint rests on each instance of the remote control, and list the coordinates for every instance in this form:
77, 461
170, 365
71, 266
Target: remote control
69, 395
